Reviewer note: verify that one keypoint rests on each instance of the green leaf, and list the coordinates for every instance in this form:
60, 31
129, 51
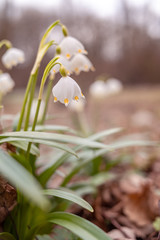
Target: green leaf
24, 145
54, 137
6, 236
47, 173
79, 226
83, 161
22, 179
132, 143
41, 141
104, 133
44, 237
54, 128
68, 195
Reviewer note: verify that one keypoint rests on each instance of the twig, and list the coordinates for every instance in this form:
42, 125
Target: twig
118, 226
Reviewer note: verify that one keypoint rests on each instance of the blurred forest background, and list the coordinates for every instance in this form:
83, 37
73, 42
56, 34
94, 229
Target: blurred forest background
126, 46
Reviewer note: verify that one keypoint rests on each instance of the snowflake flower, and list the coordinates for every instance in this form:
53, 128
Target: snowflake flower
6, 83
12, 57
66, 90
81, 63
64, 62
70, 46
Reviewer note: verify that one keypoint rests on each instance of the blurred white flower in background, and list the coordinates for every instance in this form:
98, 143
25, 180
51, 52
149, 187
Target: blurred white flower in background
113, 85
6, 83
77, 106
12, 57
33, 110
66, 90
80, 63
97, 90
70, 46
100, 89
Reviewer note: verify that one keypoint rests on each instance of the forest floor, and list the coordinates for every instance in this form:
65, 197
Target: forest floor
127, 206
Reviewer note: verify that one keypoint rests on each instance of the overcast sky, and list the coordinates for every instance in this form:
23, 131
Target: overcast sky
100, 7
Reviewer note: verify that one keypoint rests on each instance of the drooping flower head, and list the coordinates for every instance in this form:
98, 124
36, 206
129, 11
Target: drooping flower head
70, 46
6, 83
80, 63
66, 90
12, 57
64, 62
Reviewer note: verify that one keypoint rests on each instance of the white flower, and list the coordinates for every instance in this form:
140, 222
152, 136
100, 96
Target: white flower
6, 83
113, 86
66, 90
80, 63
77, 106
98, 90
64, 62
70, 46
33, 110
12, 57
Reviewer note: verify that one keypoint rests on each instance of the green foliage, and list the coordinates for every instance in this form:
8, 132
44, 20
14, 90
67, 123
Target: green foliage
38, 207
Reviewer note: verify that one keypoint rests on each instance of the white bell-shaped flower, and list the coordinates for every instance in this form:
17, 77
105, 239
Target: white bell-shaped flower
34, 108
113, 86
98, 90
80, 63
66, 90
64, 62
12, 57
70, 46
6, 83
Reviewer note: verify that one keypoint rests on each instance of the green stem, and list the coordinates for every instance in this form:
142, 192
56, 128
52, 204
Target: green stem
30, 101
40, 54
25, 101
48, 93
34, 125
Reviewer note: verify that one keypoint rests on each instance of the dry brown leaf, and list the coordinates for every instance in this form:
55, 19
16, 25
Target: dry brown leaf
8, 198
141, 204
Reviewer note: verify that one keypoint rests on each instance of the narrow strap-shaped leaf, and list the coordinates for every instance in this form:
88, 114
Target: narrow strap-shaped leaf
23, 145
6, 236
68, 195
79, 226
55, 137
22, 179
104, 133
41, 141
54, 128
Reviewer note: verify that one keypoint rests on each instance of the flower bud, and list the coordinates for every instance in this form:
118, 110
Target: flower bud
65, 31
63, 71
58, 50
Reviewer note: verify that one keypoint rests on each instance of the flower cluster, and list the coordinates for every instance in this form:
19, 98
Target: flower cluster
71, 53
11, 57
101, 89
